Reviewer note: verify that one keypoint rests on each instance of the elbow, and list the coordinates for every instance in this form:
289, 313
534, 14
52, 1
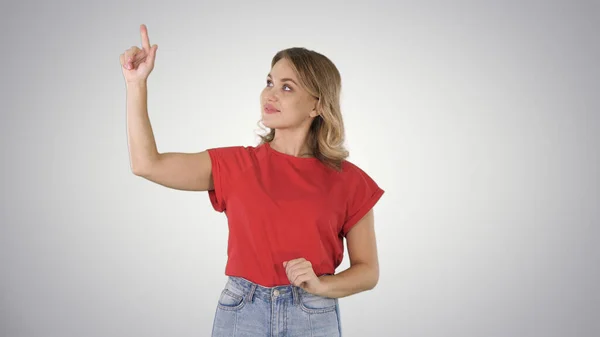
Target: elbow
136, 170
142, 165
372, 284
139, 170
137, 173
373, 278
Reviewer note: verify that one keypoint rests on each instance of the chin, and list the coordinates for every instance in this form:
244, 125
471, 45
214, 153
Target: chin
270, 122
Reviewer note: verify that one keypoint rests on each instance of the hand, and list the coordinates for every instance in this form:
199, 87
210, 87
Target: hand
301, 274
137, 63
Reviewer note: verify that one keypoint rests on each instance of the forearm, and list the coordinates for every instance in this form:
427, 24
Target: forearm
140, 138
359, 277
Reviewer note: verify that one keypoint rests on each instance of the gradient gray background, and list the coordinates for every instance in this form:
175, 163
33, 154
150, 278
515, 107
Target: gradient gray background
481, 122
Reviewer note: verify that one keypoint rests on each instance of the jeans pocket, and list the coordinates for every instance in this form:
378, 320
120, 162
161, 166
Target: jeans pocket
314, 304
231, 298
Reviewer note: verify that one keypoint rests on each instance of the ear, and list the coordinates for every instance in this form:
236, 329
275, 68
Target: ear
314, 112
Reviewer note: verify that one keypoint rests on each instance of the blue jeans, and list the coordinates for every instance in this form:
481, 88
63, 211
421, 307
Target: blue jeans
247, 309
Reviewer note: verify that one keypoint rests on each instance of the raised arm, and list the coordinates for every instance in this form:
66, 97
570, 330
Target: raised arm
182, 171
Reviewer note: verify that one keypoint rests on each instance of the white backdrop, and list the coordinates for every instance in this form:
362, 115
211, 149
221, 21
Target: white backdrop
478, 119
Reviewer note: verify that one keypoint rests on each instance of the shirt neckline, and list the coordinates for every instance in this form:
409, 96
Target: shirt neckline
300, 160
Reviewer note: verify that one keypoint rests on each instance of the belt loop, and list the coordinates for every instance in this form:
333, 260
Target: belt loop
250, 295
296, 295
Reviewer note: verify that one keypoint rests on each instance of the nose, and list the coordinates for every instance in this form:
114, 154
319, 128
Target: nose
271, 95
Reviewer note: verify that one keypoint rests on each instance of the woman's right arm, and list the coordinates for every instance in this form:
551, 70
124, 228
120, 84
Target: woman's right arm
182, 171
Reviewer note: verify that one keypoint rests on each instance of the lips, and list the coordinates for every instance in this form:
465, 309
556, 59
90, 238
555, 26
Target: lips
269, 108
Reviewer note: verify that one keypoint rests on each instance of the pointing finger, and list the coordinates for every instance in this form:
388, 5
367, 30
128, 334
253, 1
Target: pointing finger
145, 39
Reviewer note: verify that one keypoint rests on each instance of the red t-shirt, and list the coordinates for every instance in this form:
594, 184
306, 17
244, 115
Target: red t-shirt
280, 207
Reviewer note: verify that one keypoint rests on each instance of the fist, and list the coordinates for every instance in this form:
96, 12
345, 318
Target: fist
137, 63
301, 274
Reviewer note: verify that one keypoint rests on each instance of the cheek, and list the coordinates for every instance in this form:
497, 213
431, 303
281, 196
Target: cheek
299, 109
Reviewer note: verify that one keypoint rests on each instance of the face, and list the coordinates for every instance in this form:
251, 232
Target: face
293, 105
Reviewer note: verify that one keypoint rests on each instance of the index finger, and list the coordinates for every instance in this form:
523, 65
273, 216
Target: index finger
294, 262
145, 40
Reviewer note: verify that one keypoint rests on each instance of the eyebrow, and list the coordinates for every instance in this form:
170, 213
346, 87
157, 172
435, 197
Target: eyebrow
284, 79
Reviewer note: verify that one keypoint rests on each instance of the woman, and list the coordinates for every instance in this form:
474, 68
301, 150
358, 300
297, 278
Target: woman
289, 201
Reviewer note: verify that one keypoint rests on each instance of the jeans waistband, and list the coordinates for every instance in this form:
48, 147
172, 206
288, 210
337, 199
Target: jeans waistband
253, 290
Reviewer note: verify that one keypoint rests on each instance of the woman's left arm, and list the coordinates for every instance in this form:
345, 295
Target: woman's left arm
363, 273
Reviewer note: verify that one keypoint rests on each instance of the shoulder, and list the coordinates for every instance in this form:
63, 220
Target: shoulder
235, 159
348, 166
357, 179
362, 193
350, 171
235, 151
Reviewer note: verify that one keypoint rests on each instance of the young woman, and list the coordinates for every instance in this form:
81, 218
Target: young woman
289, 201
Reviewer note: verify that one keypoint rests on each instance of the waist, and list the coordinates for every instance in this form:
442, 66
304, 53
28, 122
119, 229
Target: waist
254, 290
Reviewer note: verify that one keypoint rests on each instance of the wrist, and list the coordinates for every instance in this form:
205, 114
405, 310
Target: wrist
136, 84
324, 285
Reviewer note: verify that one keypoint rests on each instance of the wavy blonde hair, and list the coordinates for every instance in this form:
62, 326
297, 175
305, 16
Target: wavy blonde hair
321, 78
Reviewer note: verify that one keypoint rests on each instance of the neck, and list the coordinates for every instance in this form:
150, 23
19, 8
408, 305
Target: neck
291, 142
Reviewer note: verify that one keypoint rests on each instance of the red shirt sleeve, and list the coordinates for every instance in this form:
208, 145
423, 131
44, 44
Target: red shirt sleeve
227, 163
363, 194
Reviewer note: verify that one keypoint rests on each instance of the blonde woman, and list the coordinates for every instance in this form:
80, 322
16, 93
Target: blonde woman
289, 201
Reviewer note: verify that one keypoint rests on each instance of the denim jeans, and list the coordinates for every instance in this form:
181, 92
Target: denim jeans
246, 309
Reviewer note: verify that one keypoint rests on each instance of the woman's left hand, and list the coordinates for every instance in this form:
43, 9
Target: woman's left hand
301, 274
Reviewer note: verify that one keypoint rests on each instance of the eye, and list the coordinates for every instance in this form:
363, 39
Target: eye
285, 85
